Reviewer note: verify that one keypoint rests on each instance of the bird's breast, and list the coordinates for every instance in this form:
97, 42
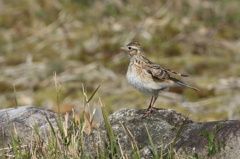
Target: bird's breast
135, 77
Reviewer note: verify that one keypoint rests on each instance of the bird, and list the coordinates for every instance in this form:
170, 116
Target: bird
148, 77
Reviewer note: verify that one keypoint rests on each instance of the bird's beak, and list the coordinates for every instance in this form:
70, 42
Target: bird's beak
123, 48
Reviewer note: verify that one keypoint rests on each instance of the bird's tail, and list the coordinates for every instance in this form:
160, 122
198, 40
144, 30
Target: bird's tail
183, 84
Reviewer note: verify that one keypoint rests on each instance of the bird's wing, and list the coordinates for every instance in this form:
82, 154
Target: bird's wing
157, 72
176, 73
160, 72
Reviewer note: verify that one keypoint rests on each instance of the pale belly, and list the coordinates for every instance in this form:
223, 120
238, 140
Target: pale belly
145, 85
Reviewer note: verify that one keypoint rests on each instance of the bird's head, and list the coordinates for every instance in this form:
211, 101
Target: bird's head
133, 48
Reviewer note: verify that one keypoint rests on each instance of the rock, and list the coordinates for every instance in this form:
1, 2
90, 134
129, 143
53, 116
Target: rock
227, 137
219, 139
21, 122
163, 126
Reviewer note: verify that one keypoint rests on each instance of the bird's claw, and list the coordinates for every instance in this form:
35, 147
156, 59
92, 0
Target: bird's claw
148, 112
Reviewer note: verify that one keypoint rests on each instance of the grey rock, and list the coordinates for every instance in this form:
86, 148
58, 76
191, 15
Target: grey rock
130, 129
163, 126
228, 137
20, 121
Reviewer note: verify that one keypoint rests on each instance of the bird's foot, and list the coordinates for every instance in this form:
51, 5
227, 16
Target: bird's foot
148, 112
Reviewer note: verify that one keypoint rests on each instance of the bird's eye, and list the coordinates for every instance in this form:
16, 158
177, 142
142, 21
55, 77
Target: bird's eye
129, 48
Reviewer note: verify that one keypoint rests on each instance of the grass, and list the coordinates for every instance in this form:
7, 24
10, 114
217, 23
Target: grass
155, 153
67, 140
213, 146
70, 146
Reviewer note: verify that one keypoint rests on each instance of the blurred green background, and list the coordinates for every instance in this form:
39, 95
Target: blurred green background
80, 40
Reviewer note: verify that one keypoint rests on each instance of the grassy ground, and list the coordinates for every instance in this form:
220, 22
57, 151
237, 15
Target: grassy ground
68, 140
80, 40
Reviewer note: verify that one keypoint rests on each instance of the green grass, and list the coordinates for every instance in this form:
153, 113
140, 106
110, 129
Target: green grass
67, 140
214, 145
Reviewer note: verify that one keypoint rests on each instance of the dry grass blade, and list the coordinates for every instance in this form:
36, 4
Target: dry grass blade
57, 87
15, 95
95, 91
130, 135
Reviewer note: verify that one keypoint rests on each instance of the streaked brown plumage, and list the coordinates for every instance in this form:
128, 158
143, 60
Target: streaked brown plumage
148, 77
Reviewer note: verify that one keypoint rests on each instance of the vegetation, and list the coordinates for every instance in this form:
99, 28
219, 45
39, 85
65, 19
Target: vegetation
67, 140
213, 146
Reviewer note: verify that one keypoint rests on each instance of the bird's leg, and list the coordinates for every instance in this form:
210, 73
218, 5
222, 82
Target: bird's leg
150, 108
150, 104
154, 100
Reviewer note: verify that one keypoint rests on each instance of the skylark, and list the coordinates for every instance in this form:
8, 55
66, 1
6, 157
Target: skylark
148, 77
